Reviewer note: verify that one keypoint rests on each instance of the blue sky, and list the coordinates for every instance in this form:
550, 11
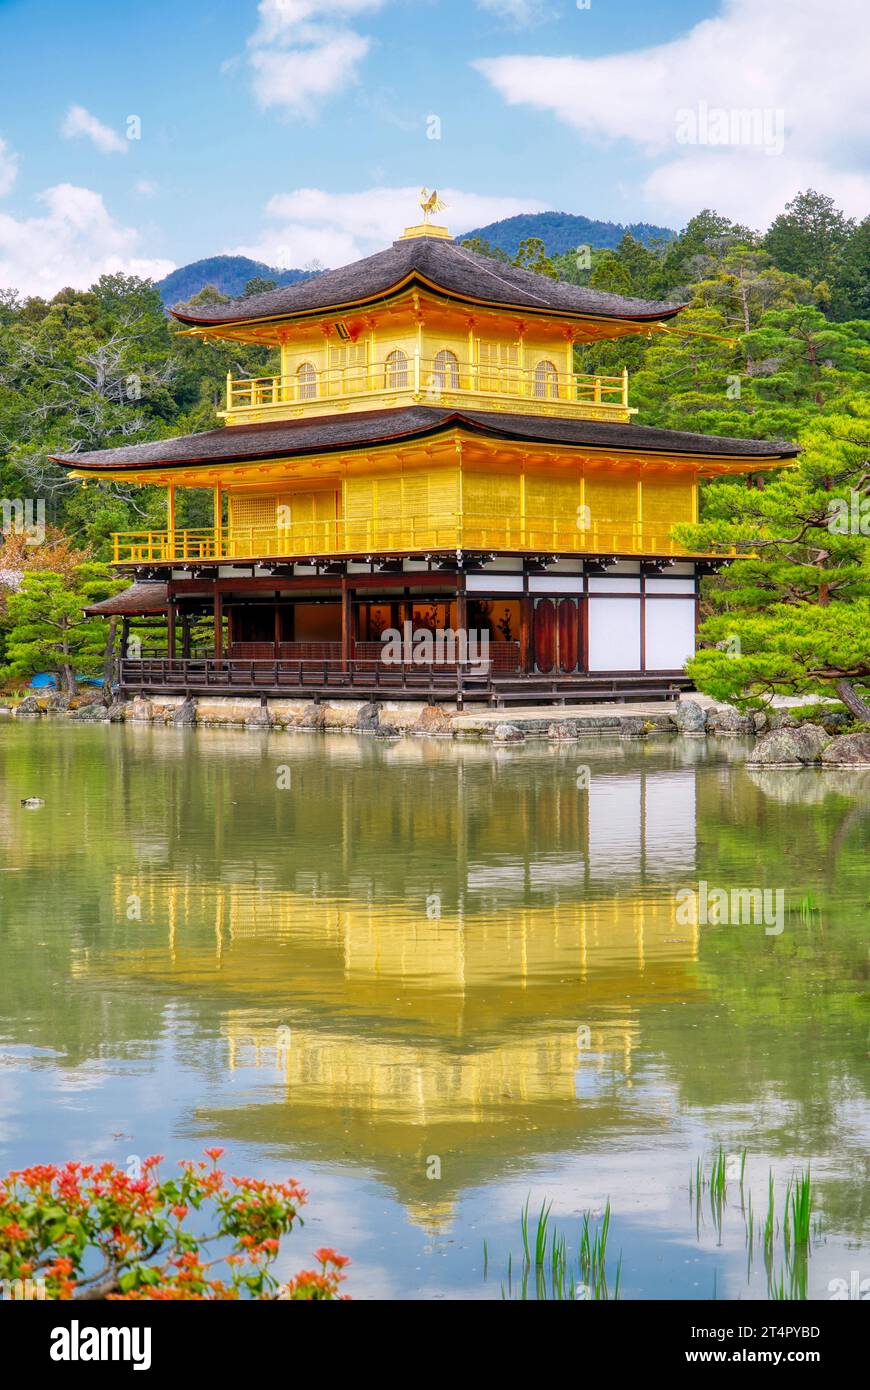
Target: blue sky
298, 130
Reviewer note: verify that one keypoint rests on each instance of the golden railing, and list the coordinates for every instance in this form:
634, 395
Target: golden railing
468, 531
431, 379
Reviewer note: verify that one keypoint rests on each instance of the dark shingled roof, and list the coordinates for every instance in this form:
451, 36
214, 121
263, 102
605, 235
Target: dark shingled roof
443, 263
137, 601
325, 433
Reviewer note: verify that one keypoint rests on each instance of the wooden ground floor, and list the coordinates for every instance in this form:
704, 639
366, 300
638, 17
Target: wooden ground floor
502, 631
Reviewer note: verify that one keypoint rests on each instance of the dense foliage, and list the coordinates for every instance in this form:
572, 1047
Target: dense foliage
86, 1232
774, 343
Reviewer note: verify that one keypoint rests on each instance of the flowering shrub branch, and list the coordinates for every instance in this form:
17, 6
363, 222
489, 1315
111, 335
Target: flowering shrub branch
86, 1232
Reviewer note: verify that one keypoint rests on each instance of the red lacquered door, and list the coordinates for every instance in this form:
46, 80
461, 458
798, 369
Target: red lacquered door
569, 634
545, 634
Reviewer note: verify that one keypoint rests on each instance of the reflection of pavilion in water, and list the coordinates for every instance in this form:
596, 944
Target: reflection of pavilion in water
505, 1025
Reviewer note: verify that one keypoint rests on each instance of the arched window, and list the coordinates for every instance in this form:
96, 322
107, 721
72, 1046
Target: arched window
306, 376
546, 381
396, 369
447, 370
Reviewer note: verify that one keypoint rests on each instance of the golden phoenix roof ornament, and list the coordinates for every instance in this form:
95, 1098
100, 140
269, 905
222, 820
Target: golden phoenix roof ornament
430, 202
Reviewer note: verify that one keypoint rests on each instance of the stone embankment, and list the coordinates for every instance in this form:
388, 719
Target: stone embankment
781, 740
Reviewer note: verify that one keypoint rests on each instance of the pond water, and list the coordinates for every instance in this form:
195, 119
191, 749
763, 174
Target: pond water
432, 980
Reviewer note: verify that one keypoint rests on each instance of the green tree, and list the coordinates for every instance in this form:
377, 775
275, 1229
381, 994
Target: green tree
809, 237
258, 285
47, 629
850, 297
793, 614
532, 255
631, 268
483, 248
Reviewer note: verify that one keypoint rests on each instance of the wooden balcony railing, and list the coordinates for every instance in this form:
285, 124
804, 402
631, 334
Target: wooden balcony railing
469, 531
431, 380
368, 679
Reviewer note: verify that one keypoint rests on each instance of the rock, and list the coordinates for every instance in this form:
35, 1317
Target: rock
312, 718
632, 728
260, 718
760, 721
790, 747
838, 721
90, 714
564, 732
729, 721
186, 713
434, 722
508, 733
29, 706
58, 704
368, 718
689, 717
340, 717
87, 696
848, 750
139, 710
33, 803
781, 719
117, 711
386, 731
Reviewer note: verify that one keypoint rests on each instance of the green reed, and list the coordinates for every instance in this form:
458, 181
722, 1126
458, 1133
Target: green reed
549, 1271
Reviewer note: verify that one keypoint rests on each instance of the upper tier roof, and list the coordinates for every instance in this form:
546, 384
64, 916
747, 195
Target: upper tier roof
325, 433
433, 262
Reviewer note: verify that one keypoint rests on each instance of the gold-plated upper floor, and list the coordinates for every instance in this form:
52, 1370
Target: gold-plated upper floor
538, 390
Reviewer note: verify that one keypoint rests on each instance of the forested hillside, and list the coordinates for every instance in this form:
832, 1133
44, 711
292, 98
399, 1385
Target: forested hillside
562, 231
228, 274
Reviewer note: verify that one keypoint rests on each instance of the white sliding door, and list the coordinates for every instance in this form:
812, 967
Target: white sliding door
614, 634
670, 633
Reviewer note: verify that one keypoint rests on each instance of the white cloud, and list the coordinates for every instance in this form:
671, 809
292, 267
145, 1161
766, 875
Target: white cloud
334, 228
79, 121
304, 50
803, 63
146, 187
521, 13
73, 242
8, 167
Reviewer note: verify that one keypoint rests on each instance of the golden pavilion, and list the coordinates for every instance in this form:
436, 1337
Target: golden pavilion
427, 461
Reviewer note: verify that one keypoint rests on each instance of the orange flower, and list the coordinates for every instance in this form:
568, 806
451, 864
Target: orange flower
329, 1257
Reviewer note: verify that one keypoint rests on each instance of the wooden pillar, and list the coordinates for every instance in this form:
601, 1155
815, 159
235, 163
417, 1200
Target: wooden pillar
170, 628
218, 519
277, 627
125, 636
642, 620
109, 654
170, 521
218, 624
461, 605
525, 625
185, 636
346, 622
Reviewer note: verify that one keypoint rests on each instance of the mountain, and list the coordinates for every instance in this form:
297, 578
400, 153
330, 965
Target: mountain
562, 231
230, 274
559, 231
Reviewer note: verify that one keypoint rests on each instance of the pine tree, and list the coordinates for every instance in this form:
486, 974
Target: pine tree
47, 629
793, 615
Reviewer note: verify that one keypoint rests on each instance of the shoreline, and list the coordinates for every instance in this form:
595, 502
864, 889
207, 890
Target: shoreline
779, 738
